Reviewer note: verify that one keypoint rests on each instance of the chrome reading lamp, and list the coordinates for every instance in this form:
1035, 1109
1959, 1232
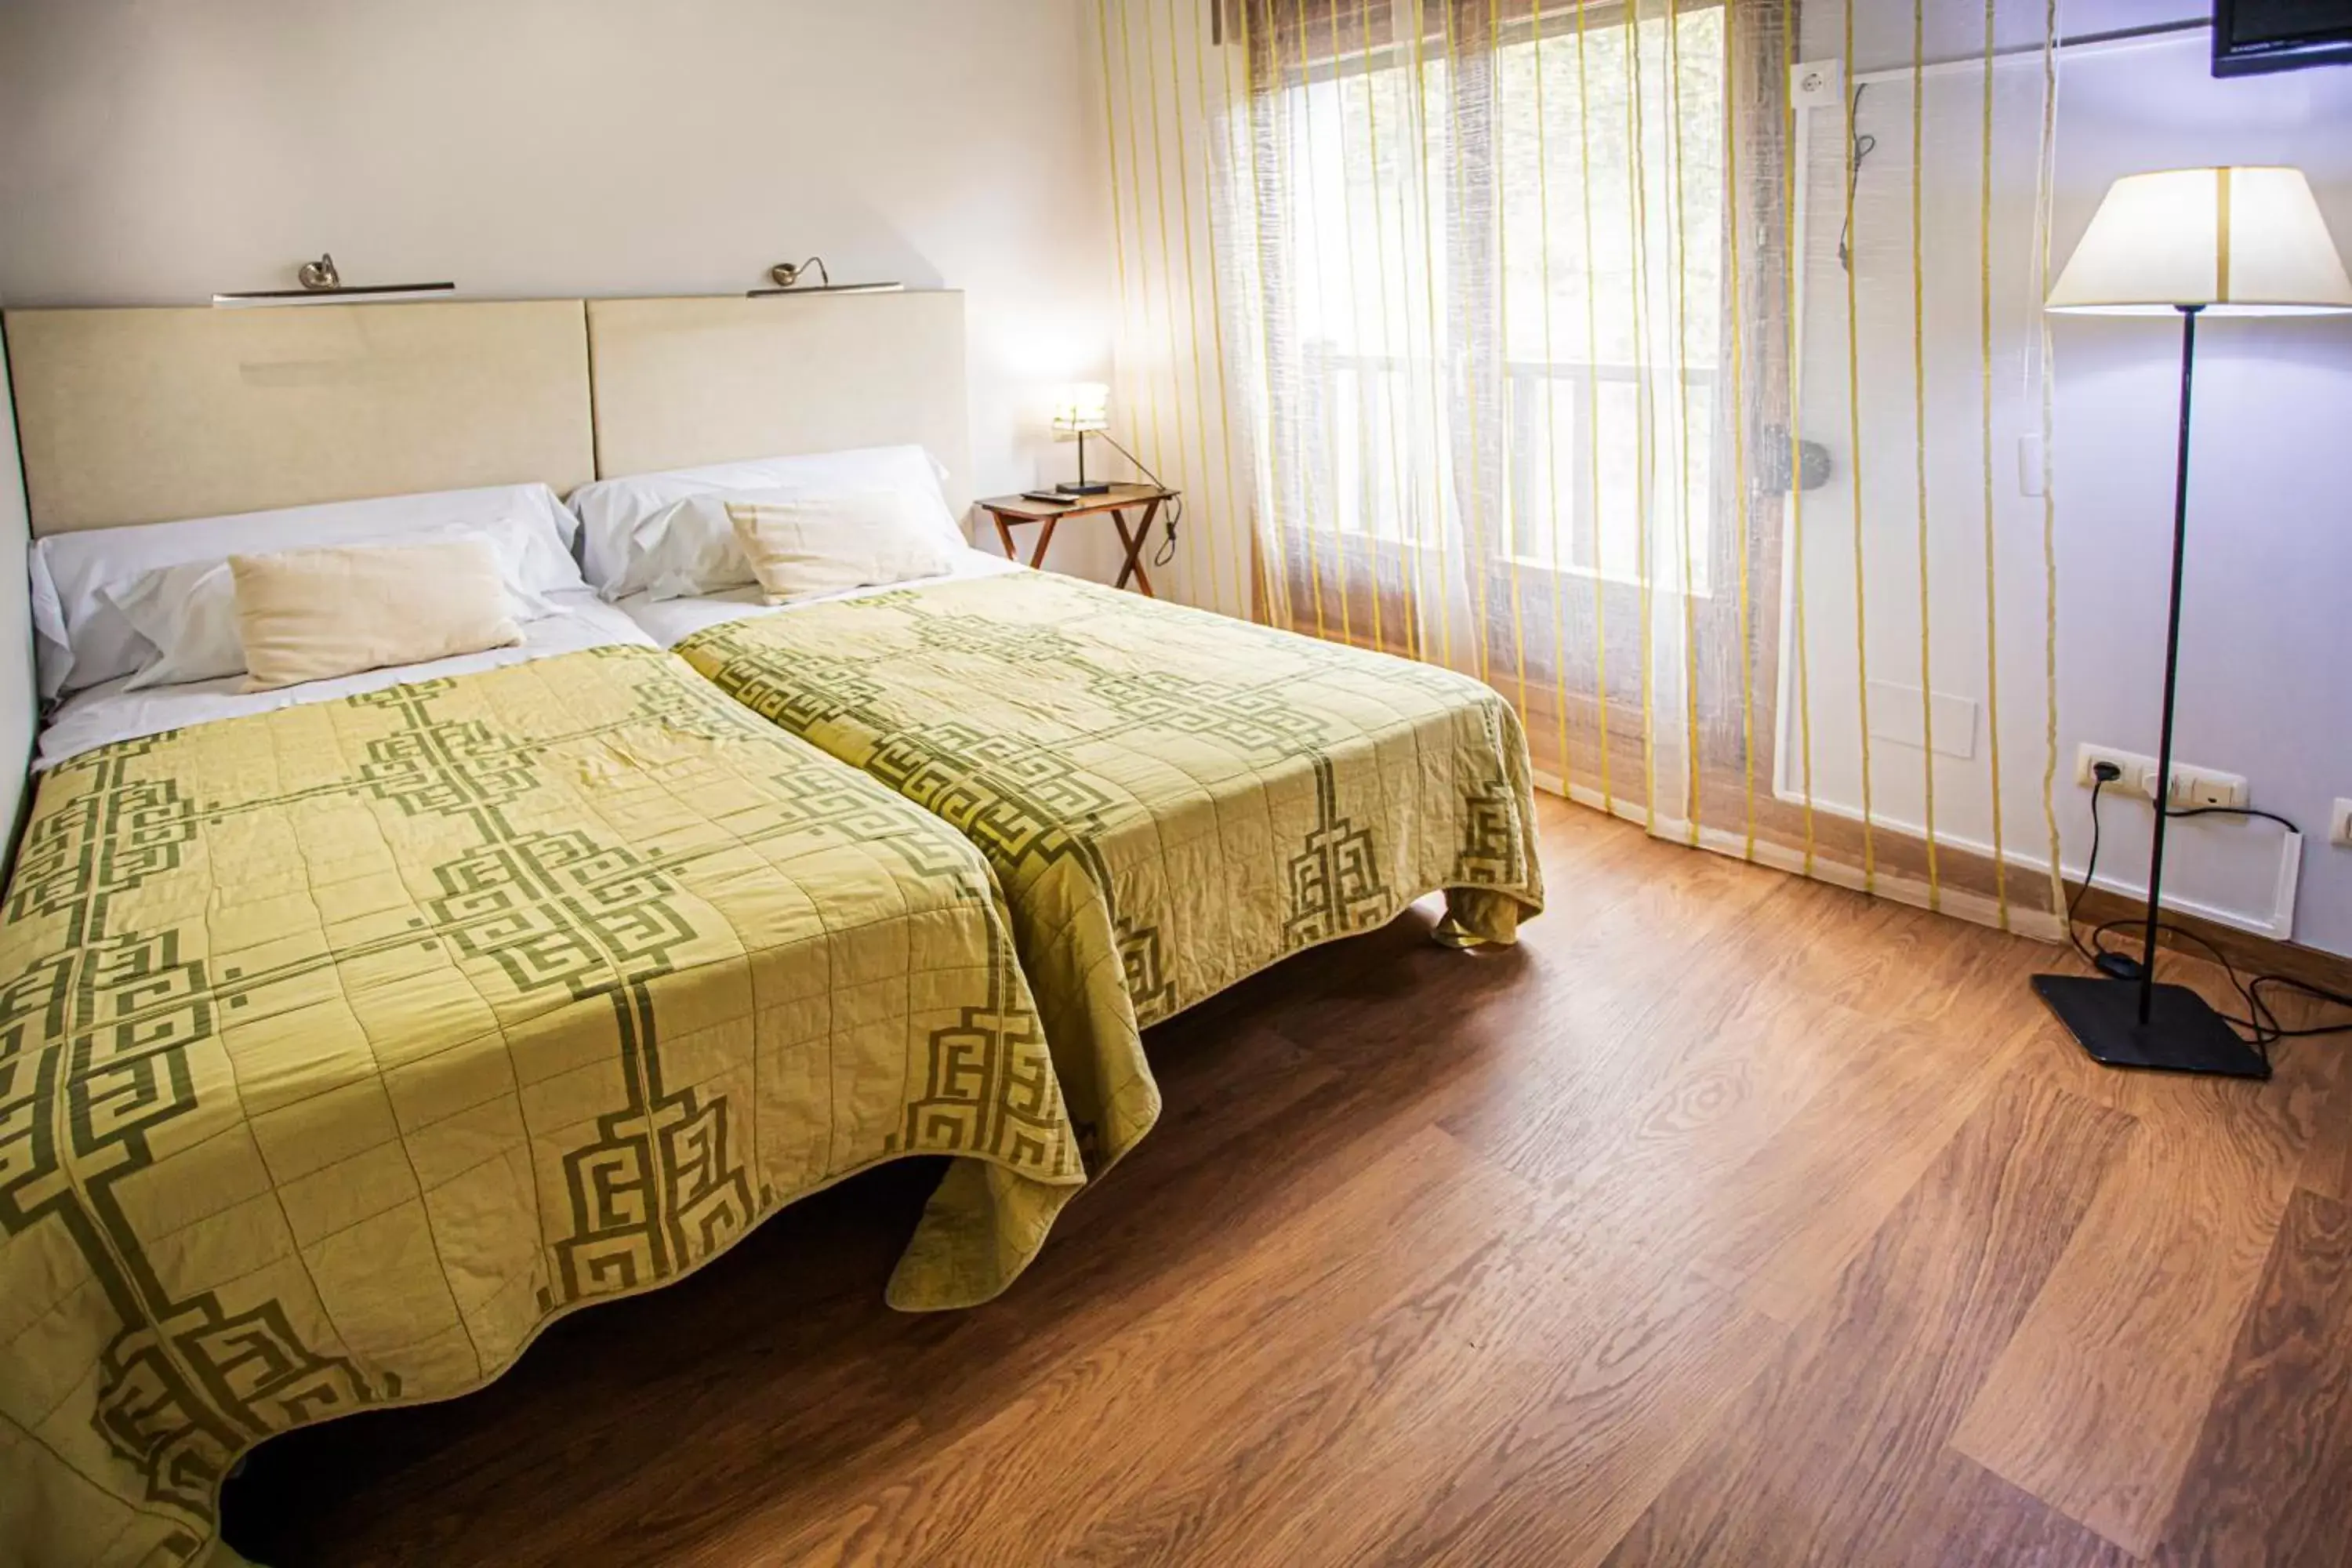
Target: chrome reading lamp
2187, 242
321, 282
790, 278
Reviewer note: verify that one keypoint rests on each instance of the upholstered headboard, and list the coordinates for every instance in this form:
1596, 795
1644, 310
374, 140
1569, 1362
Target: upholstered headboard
142, 416
684, 382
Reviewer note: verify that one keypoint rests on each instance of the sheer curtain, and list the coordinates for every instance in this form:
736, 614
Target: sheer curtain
1647, 360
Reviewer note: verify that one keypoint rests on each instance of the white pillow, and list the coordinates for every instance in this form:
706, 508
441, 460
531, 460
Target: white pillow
81, 637
801, 546
317, 615
613, 511
189, 612
687, 549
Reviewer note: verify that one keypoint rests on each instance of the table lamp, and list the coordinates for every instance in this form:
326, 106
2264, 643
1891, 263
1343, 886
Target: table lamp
2185, 242
1081, 406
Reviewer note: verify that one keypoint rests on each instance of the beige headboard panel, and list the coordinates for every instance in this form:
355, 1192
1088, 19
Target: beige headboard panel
686, 382
144, 416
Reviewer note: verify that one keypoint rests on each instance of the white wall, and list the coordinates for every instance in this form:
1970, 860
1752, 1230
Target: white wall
1950, 445
18, 701
153, 154
2267, 636
2266, 681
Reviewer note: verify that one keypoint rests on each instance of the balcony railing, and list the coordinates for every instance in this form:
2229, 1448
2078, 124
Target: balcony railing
1575, 446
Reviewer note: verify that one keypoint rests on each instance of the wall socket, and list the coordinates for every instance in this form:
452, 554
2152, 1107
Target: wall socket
2339, 824
2192, 786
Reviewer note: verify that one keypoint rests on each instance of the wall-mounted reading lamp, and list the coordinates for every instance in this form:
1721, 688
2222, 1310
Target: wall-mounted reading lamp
320, 284
788, 276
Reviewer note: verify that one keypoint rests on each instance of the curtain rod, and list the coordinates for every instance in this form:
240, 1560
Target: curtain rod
2111, 38
2108, 37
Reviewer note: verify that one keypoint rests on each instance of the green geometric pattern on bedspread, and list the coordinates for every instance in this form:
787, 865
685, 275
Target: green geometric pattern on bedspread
1171, 799
343, 1047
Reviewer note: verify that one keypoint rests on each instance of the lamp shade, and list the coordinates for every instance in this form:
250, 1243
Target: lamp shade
2240, 241
1080, 407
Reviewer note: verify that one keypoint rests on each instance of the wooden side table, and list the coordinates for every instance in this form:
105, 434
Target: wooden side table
1009, 509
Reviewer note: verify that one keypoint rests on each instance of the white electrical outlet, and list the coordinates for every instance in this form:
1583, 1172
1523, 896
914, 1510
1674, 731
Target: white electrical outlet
2339, 824
2135, 771
2207, 788
1818, 84
2195, 787
2192, 786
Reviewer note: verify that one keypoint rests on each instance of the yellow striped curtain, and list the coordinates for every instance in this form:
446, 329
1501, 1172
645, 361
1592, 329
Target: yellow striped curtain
1675, 366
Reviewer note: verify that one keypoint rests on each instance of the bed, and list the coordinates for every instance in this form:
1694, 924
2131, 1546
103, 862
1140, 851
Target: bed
1171, 799
1167, 795
351, 1034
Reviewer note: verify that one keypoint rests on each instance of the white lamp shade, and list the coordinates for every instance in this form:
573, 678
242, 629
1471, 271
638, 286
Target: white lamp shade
1082, 406
2238, 241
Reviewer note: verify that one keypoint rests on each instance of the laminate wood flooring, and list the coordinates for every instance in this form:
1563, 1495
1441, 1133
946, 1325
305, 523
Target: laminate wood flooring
1728, 1219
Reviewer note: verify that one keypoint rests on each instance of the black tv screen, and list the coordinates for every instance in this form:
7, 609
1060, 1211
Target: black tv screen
2250, 36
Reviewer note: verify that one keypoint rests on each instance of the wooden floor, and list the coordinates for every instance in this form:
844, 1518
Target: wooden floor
1729, 1219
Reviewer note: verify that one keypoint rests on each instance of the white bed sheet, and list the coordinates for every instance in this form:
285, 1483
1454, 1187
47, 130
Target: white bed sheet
106, 713
671, 621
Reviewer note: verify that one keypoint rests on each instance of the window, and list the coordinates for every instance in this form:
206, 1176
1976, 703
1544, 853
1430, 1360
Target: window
1502, 276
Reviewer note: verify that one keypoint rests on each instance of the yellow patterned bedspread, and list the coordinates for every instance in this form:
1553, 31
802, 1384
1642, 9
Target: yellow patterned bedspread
343, 1047
1172, 799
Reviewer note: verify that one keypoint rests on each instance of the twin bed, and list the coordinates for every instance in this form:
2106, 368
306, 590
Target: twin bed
353, 1031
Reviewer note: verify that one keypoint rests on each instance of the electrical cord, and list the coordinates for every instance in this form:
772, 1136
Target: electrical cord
2322, 992
2232, 811
1175, 498
2137, 922
1864, 144
2099, 781
2261, 1027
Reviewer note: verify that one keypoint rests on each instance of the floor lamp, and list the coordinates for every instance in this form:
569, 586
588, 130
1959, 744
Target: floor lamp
2187, 242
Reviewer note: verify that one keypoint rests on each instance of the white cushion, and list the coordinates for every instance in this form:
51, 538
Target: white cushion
803, 546
81, 635
314, 614
188, 612
615, 513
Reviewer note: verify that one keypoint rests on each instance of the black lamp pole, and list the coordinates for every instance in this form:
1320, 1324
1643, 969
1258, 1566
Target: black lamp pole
2134, 1022
2172, 668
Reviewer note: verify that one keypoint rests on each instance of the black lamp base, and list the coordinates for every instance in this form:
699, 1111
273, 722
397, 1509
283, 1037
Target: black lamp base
2182, 1033
1070, 487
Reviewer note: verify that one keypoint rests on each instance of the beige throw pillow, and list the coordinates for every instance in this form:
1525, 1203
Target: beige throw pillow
311, 615
800, 546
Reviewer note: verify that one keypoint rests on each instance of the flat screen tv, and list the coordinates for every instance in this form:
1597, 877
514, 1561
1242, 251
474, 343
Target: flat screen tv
2250, 36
